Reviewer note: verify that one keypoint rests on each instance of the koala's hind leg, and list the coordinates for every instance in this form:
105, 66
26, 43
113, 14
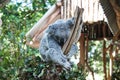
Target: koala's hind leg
57, 57
73, 51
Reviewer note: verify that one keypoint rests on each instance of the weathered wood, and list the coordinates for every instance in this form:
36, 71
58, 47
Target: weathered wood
33, 44
104, 31
82, 50
66, 44
38, 37
41, 22
104, 60
111, 63
79, 28
50, 20
72, 37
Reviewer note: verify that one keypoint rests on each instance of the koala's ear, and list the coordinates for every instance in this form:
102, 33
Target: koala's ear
70, 22
51, 29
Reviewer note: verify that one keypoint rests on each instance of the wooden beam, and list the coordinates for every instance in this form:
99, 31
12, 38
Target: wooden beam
42, 21
66, 44
36, 39
51, 19
104, 60
72, 37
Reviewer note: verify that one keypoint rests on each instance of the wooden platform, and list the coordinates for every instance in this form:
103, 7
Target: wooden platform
97, 30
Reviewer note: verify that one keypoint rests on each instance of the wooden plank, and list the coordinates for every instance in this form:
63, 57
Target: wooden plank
51, 19
33, 44
38, 37
69, 39
41, 22
79, 25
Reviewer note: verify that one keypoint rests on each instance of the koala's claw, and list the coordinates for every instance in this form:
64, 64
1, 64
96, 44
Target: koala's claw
67, 66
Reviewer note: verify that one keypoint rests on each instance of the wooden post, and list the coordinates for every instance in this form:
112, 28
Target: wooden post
82, 51
104, 60
110, 63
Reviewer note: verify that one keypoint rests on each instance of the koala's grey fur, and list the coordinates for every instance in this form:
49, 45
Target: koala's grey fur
53, 40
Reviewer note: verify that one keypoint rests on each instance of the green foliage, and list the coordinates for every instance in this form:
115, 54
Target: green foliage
35, 69
17, 20
74, 74
17, 60
20, 62
116, 72
95, 56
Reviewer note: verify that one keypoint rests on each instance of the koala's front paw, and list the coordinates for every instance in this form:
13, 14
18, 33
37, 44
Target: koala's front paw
67, 66
73, 51
75, 48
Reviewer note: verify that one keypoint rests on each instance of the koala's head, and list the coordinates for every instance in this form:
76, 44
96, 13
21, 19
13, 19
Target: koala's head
60, 30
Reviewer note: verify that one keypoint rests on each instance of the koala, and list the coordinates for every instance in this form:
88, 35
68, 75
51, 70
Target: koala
53, 40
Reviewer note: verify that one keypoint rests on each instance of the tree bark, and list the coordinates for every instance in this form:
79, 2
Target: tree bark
104, 60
